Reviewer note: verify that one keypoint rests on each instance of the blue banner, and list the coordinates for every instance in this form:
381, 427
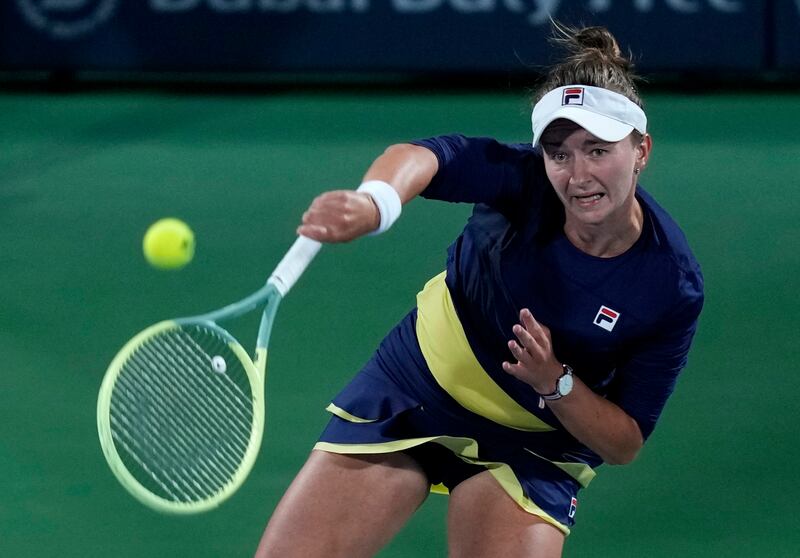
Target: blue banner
787, 35
368, 35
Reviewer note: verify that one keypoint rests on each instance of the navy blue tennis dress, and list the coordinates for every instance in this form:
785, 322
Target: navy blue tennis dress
435, 387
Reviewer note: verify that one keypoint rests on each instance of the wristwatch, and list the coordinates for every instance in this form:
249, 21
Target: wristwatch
564, 385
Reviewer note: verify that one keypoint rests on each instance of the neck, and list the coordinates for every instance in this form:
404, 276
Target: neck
606, 240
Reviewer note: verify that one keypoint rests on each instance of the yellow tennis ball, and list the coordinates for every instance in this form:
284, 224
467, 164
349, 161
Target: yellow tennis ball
168, 244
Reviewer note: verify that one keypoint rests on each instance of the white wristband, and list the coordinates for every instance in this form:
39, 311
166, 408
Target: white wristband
388, 201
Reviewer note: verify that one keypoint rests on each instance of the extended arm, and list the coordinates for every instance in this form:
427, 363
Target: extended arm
344, 215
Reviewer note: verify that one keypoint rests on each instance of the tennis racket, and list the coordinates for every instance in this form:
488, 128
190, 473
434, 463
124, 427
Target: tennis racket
180, 412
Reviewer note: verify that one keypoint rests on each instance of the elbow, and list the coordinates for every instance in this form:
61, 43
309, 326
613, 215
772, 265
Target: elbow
405, 151
621, 457
627, 450
398, 148
408, 168
413, 157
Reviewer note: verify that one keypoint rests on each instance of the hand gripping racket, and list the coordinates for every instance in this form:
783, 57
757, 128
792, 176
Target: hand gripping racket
181, 407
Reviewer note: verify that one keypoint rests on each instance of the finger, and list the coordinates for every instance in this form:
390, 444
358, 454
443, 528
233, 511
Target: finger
535, 352
518, 351
318, 213
327, 203
537, 330
325, 215
525, 338
315, 232
515, 370
527, 319
337, 201
526, 358
314, 215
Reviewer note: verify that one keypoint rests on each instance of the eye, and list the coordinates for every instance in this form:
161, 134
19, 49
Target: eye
598, 152
558, 156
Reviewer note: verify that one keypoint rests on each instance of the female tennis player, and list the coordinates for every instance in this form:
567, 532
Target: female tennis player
549, 344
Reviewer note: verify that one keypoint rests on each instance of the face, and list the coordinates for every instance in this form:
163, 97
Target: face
594, 179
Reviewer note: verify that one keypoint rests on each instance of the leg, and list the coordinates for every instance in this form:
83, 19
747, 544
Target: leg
344, 506
483, 521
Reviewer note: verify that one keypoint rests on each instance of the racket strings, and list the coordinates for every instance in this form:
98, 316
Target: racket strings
206, 424
167, 454
192, 349
235, 402
185, 426
174, 491
149, 447
183, 450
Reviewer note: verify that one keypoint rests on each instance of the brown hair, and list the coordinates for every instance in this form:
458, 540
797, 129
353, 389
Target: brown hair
593, 58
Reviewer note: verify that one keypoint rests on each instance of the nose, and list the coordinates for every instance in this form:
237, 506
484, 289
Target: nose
579, 171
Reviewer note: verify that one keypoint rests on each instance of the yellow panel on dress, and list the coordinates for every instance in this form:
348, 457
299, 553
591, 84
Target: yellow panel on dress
454, 366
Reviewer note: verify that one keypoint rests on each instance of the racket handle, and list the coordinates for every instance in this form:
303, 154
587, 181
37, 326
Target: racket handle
294, 263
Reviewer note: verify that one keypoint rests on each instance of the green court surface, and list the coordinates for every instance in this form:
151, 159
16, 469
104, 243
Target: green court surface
82, 175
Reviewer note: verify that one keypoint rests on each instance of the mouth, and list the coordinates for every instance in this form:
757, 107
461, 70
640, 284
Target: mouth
588, 200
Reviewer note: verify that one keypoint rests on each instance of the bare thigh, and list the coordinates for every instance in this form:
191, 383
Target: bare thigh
483, 521
344, 506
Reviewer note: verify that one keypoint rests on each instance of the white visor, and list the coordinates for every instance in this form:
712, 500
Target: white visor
603, 113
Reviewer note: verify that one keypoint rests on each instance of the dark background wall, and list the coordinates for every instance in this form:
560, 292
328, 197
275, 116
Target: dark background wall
387, 35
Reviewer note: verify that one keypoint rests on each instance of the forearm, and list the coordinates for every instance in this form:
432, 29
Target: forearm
594, 421
407, 168
599, 424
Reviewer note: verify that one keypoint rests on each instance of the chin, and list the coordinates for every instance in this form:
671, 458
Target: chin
593, 217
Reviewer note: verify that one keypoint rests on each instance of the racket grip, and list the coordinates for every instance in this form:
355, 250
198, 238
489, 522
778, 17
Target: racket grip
294, 263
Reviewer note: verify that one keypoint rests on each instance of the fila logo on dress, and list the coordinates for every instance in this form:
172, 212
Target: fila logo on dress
606, 318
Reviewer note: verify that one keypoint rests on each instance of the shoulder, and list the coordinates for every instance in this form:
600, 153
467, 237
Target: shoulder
667, 238
679, 275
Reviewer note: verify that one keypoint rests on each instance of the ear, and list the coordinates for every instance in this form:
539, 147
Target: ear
643, 151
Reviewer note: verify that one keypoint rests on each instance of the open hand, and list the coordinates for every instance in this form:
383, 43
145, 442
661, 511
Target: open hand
536, 364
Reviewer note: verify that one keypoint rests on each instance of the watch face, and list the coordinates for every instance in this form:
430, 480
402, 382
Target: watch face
565, 384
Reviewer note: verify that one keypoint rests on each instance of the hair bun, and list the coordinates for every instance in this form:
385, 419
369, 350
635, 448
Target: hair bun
598, 38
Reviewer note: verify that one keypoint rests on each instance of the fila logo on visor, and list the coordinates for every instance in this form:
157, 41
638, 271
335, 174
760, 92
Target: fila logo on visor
606, 318
572, 96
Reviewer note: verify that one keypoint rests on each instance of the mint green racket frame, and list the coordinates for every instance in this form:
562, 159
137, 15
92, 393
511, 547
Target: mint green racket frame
279, 283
